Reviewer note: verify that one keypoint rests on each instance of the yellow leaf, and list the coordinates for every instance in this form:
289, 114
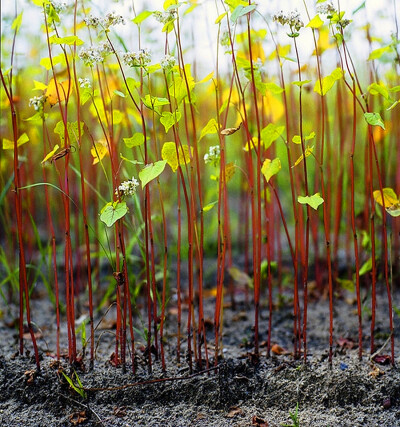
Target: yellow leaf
308, 152
62, 87
51, 154
169, 153
230, 169
274, 108
316, 22
9, 145
99, 151
389, 196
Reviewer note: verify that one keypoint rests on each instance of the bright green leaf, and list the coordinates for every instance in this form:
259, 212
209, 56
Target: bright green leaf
374, 119
241, 11
9, 145
169, 119
220, 17
134, 141
17, 22
210, 128
366, 267
169, 154
271, 133
377, 53
69, 40
328, 81
151, 171
141, 17
316, 22
314, 201
51, 154
112, 212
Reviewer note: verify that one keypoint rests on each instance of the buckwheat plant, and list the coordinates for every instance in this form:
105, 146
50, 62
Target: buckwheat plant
136, 59
127, 188
95, 54
213, 156
167, 63
292, 19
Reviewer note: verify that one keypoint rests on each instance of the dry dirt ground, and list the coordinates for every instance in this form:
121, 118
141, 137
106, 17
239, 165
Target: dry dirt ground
238, 393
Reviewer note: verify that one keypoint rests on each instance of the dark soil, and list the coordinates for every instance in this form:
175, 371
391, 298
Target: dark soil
238, 393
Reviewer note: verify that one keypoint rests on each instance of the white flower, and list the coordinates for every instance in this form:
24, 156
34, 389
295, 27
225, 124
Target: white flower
59, 6
165, 17
292, 19
136, 59
37, 102
112, 19
95, 54
168, 62
92, 21
127, 188
84, 83
213, 155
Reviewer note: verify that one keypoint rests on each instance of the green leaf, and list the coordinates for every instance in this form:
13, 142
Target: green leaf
314, 201
366, 267
141, 17
374, 119
328, 82
273, 88
381, 89
134, 141
112, 212
152, 102
301, 83
209, 206
316, 22
377, 53
241, 10
133, 162
210, 128
169, 119
151, 171
72, 128
270, 168
69, 40
271, 133
119, 93
17, 22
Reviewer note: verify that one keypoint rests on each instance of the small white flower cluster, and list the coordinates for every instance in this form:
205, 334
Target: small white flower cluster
110, 19
292, 19
94, 54
213, 156
165, 17
84, 83
59, 6
136, 59
37, 102
167, 63
127, 188
326, 9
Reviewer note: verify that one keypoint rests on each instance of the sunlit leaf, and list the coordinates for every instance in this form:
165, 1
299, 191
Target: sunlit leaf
39, 85
51, 93
112, 212
72, 128
374, 119
377, 53
58, 59
271, 133
270, 168
314, 201
119, 93
152, 102
141, 17
69, 40
392, 203
134, 141
9, 145
378, 88
316, 22
169, 119
328, 82
98, 151
170, 154
206, 78
230, 169
151, 171
301, 83
220, 17
308, 152
51, 154
209, 206
17, 22
210, 128
273, 88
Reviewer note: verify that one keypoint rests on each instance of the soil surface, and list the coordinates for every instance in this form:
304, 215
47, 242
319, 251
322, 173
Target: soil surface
239, 393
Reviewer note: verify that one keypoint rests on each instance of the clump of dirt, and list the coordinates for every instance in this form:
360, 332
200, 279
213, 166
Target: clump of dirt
276, 391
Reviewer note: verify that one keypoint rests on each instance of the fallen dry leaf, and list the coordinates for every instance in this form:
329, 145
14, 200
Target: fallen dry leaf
346, 343
376, 372
278, 350
30, 376
78, 418
233, 411
382, 359
258, 422
119, 412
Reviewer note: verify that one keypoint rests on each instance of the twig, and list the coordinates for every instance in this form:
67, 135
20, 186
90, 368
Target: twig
381, 349
156, 380
85, 406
